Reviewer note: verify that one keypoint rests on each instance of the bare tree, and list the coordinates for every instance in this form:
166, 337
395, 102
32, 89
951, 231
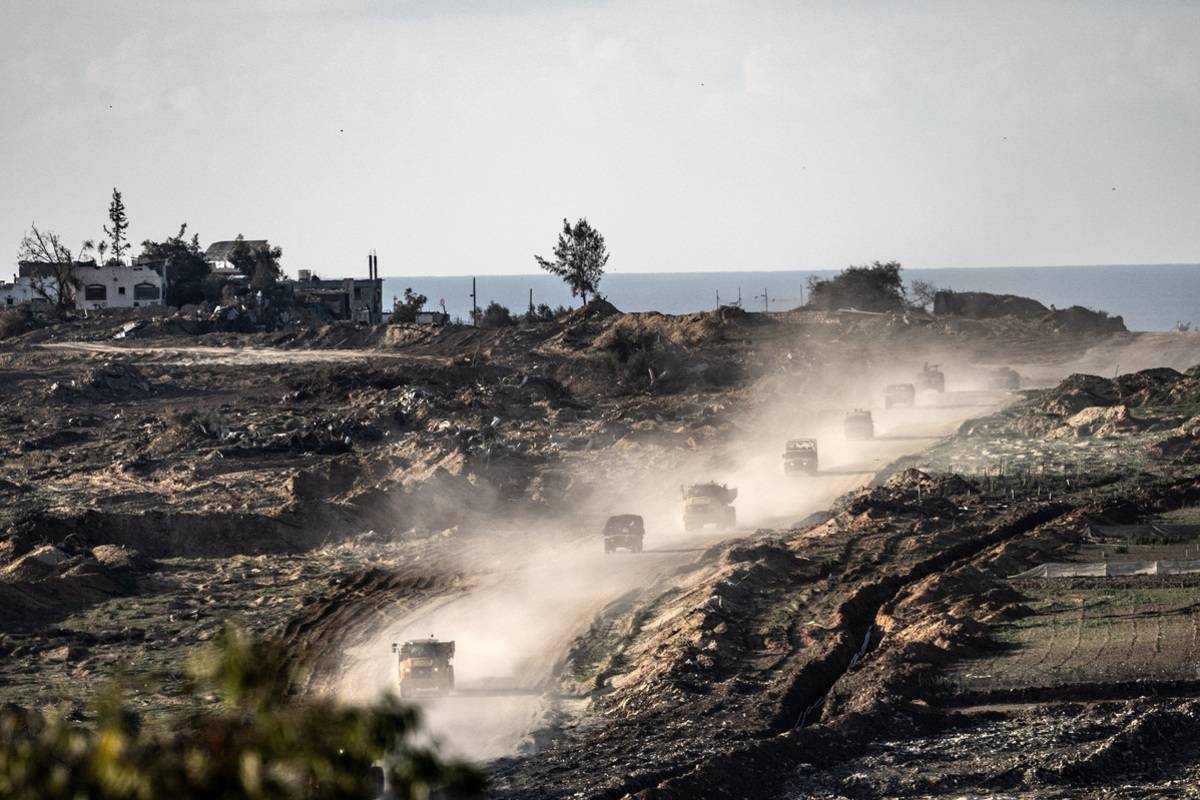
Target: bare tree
52, 272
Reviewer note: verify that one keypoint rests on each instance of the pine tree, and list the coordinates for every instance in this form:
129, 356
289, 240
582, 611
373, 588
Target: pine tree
579, 258
120, 223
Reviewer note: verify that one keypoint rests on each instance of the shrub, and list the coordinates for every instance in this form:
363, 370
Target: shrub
14, 321
407, 311
871, 287
256, 743
495, 316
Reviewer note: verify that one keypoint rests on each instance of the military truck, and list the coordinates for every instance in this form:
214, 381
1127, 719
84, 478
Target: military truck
899, 394
931, 378
709, 504
859, 425
624, 531
1004, 378
800, 457
425, 667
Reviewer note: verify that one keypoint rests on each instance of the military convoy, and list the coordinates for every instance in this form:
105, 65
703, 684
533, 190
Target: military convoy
624, 531
709, 504
931, 378
859, 425
800, 457
899, 394
425, 667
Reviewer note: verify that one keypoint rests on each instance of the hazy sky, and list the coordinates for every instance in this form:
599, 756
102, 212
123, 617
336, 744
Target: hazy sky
452, 136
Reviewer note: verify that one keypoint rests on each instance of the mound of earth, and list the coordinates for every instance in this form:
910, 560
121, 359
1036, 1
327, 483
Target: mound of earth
985, 305
1098, 421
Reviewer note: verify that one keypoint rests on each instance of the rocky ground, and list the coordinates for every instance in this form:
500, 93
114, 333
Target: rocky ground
317, 483
884, 650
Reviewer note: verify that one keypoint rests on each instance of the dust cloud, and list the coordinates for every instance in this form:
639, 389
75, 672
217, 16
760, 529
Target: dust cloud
547, 581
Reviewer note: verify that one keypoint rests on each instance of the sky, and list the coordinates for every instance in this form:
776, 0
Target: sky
453, 136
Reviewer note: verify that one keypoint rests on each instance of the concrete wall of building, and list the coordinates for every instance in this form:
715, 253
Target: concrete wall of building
22, 290
118, 287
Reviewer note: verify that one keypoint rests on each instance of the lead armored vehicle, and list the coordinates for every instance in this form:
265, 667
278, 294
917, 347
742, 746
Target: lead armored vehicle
425, 667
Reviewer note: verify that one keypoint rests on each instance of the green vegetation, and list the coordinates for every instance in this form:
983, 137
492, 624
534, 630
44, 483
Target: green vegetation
870, 287
579, 258
496, 316
407, 311
184, 267
253, 741
118, 223
260, 263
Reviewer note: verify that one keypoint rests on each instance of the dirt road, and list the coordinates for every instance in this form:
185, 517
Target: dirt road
513, 629
232, 356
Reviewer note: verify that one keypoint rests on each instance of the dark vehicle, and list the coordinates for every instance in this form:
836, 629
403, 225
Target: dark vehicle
931, 378
709, 504
899, 394
1004, 378
624, 531
859, 425
425, 667
800, 457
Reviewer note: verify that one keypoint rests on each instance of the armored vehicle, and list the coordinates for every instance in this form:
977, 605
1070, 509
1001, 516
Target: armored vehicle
624, 530
1004, 378
931, 378
425, 667
899, 394
859, 425
709, 504
800, 457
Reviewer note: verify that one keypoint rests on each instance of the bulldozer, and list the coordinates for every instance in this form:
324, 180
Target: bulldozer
931, 378
899, 394
708, 504
624, 531
800, 457
859, 425
425, 667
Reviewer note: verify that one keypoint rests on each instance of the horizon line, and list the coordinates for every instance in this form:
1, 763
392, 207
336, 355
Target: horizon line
799, 269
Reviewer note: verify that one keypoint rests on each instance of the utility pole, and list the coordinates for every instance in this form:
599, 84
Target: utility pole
718, 299
531, 302
474, 304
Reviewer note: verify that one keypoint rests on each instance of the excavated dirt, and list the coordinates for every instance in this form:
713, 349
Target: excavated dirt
884, 651
320, 483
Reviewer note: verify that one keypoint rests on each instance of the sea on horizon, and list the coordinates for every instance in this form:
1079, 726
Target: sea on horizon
1150, 297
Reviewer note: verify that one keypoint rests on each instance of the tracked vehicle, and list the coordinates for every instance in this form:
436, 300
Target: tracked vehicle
709, 504
624, 531
425, 667
800, 457
899, 394
859, 425
931, 378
